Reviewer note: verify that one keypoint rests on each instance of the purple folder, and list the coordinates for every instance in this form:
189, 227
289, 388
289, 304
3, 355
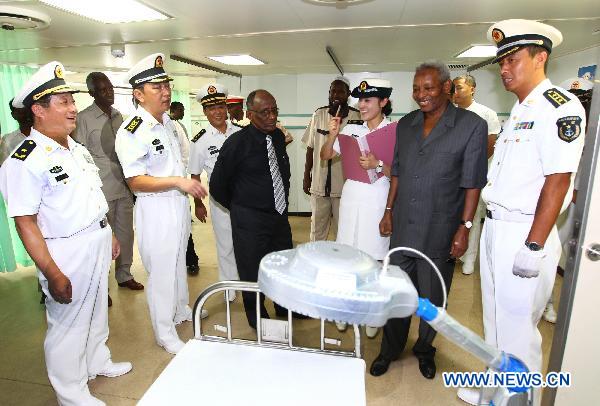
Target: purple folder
380, 143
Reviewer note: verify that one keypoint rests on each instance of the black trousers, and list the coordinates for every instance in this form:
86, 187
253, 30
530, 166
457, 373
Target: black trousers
256, 234
395, 332
190, 253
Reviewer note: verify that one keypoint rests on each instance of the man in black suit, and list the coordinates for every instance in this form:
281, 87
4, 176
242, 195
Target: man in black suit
251, 178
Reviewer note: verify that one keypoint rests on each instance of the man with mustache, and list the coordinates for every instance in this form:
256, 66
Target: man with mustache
97, 127
323, 179
150, 153
439, 167
251, 179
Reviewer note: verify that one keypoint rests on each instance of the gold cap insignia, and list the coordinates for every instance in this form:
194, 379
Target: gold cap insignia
363, 85
497, 35
158, 62
58, 72
575, 85
211, 90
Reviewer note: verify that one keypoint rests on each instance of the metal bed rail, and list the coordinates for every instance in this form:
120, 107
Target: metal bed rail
242, 286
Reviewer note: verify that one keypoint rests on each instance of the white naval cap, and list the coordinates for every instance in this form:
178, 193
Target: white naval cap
148, 70
577, 84
232, 99
212, 94
342, 79
372, 87
47, 80
512, 35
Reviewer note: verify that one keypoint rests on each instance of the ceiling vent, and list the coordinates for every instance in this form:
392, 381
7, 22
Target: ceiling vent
17, 18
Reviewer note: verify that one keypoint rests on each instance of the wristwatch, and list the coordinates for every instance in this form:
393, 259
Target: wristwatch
379, 167
467, 223
534, 246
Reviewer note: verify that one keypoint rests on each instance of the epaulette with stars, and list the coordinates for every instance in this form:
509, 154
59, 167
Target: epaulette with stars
200, 134
24, 150
134, 124
556, 97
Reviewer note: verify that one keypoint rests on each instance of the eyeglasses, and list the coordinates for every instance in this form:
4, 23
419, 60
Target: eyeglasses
159, 87
266, 112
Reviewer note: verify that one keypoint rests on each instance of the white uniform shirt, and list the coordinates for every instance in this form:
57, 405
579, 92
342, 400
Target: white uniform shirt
184, 142
9, 142
489, 115
204, 149
146, 147
358, 131
544, 135
60, 185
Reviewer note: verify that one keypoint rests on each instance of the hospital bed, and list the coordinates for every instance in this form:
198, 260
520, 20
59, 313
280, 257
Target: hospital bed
270, 370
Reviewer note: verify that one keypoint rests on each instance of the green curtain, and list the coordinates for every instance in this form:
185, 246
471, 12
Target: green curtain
12, 252
184, 98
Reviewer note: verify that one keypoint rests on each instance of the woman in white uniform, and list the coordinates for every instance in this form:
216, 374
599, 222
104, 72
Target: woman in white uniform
363, 204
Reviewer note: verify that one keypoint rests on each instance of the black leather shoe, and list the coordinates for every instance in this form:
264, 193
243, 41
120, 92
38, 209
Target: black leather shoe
193, 270
380, 365
427, 367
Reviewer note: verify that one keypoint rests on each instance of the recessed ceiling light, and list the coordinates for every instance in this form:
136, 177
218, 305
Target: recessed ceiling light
109, 11
236, 60
478, 51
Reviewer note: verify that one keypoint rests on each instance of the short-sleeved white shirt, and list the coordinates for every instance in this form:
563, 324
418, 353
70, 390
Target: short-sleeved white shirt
205, 147
358, 131
151, 148
544, 135
62, 186
489, 115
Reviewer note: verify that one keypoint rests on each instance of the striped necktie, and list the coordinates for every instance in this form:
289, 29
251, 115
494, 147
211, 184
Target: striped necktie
278, 190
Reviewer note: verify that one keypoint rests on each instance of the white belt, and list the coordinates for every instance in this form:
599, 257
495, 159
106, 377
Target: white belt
96, 225
512, 216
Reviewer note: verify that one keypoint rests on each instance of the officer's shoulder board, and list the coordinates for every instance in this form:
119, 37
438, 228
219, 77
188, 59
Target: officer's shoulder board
556, 97
323, 107
134, 124
200, 134
24, 150
357, 122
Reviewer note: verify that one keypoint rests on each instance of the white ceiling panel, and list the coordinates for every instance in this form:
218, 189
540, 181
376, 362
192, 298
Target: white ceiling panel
291, 35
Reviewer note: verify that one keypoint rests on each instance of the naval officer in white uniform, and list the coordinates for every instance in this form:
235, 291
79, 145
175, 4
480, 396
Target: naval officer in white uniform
535, 159
150, 153
53, 191
204, 151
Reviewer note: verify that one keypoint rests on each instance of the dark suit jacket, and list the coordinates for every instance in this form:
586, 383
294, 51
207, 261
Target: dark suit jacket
433, 174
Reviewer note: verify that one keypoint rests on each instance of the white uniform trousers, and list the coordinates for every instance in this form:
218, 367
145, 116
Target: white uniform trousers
513, 306
221, 223
470, 255
75, 345
325, 215
361, 208
163, 224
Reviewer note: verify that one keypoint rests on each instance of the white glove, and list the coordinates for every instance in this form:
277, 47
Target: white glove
527, 263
